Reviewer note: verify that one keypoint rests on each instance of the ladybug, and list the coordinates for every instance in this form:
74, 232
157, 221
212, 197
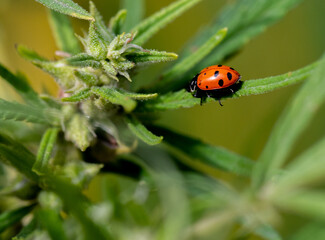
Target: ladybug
215, 81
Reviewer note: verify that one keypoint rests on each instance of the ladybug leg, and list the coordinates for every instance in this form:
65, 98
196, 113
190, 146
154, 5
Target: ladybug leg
220, 102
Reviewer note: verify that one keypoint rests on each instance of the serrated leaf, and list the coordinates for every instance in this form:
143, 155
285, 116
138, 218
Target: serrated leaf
9, 218
187, 63
135, 12
79, 96
21, 85
67, 7
150, 56
138, 96
63, 32
20, 112
103, 31
148, 27
206, 154
62, 73
82, 60
97, 46
244, 19
140, 131
45, 151
87, 77
116, 22
290, 125
115, 97
172, 100
14, 154
181, 98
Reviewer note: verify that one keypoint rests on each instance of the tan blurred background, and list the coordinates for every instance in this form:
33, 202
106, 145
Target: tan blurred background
242, 125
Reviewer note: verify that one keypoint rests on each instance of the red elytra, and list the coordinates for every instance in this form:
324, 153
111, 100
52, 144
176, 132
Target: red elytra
217, 77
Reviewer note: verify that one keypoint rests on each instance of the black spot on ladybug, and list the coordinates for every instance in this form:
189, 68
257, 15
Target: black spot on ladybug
206, 87
232, 68
205, 73
220, 82
216, 73
219, 65
200, 84
229, 76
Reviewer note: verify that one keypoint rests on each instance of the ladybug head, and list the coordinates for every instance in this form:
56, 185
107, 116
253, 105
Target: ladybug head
192, 86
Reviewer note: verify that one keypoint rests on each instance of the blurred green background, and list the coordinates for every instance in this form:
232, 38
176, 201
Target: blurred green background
242, 125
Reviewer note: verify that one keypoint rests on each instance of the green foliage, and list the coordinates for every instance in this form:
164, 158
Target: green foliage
203, 156
67, 7
63, 32
11, 217
44, 153
142, 132
181, 189
154, 23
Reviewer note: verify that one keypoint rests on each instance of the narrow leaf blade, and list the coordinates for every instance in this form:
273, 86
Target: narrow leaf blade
19, 112
213, 156
45, 150
67, 7
154, 23
115, 97
168, 78
142, 132
117, 21
135, 12
63, 32
9, 218
293, 121
151, 56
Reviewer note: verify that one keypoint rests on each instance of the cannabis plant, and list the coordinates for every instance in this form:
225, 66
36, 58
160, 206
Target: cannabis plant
153, 183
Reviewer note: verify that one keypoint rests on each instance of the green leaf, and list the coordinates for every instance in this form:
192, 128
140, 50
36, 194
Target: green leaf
148, 27
306, 169
45, 151
63, 32
97, 46
135, 12
151, 56
139, 130
100, 26
79, 96
291, 124
87, 76
51, 221
67, 7
307, 203
114, 96
116, 22
21, 85
264, 85
9, 218
19, 112
204, 154
174, 100
59, 70
187, 63
138, 96
14, 154
82, 60
244, 19
267, 232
